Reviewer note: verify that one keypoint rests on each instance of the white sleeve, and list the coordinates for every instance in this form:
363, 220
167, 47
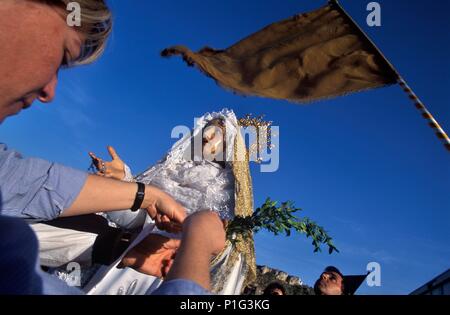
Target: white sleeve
127, 219
128, 175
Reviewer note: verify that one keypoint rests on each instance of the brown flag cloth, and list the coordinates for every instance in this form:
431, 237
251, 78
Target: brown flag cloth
312, 56
308, 57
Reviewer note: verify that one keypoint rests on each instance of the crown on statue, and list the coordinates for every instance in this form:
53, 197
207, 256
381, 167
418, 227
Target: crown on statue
263, 134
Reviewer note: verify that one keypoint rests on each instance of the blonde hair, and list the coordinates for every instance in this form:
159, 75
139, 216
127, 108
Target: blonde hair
96, 26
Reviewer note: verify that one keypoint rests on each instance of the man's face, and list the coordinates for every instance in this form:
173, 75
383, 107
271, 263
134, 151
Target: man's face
276, 291
330, 283
35, 41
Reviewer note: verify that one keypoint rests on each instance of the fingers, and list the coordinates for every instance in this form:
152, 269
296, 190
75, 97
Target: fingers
107, 174
152, 212
164, 222
100, 165
128, 261
165, 219
171, 222
95, 160
153, 256
172, 244
93, 156
167, 265
158, 221
165, 210
178, 214
112, 152
171, 227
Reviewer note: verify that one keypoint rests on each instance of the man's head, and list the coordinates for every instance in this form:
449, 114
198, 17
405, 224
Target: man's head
330, 282
36, 42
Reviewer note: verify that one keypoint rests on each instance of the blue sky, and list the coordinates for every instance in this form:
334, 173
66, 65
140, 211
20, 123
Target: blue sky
366, 167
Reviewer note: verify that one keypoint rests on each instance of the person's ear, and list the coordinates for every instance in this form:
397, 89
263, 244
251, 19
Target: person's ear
48, 92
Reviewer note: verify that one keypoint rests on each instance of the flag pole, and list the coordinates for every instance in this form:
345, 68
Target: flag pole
432, 122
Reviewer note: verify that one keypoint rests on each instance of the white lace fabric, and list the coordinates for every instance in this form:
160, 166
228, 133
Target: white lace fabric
195, 183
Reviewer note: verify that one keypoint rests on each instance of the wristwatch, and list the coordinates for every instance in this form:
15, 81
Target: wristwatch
140, 194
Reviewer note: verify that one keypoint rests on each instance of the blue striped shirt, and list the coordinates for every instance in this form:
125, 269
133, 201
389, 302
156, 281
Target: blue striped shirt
33, 188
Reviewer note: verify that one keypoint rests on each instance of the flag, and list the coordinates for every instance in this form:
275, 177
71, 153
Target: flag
317, 55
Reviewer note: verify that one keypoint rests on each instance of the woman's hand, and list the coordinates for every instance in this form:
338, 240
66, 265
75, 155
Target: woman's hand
168, 214
153, 256
114, 169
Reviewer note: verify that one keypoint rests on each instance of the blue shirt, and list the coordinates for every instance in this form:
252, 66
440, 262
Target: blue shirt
21, 274
36, 189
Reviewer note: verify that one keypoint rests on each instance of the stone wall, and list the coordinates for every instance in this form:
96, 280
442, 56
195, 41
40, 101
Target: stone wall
266, 275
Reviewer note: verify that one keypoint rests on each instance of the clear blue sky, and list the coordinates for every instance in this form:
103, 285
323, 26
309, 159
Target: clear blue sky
367, 167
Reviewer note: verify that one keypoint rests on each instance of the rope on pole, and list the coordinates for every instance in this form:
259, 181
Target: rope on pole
440, 133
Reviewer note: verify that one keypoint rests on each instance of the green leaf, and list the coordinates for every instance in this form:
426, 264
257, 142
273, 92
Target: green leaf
280, 219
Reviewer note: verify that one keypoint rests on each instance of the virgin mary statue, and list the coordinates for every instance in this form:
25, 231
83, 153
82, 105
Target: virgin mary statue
215, 177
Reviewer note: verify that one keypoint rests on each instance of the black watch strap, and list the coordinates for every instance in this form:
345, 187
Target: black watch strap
139, 197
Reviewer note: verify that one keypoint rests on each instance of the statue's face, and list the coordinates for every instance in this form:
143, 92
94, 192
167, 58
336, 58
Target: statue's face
213, 143
330, 283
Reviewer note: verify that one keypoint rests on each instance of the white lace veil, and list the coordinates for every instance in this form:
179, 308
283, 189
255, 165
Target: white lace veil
195, 183
182, 149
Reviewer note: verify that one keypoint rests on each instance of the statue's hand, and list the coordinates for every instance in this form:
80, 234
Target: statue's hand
114, 169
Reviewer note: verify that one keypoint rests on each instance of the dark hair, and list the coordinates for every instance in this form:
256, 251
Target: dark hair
334, 269
273, 286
